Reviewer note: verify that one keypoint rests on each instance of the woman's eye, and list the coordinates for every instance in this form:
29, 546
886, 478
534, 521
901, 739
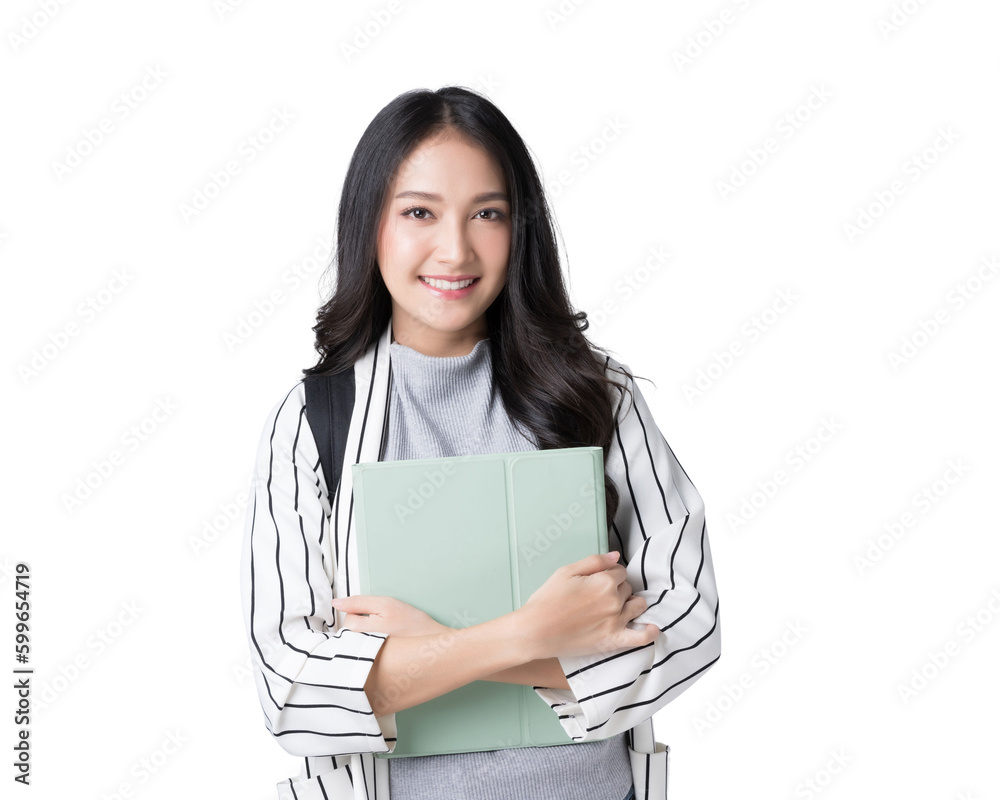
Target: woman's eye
413, 212
496, 212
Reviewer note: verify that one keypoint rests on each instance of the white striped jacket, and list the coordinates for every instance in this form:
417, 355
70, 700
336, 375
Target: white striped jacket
299, 552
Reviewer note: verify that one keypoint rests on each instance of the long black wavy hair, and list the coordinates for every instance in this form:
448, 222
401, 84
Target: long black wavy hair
551, 380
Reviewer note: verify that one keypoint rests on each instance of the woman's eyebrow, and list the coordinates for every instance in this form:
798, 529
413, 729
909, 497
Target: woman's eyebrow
479, 198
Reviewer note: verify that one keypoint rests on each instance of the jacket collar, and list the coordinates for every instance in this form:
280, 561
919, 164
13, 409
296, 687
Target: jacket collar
372, 374
365, 435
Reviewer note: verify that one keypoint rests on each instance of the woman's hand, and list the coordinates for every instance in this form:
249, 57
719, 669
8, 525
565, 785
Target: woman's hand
385, 615
583, 608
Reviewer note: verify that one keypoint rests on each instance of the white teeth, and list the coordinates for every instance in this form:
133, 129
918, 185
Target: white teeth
447, 285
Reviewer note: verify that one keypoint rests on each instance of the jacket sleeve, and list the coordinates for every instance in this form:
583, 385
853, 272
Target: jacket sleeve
660, 530
310, 677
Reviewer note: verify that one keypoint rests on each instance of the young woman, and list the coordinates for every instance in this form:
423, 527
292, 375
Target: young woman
451, 311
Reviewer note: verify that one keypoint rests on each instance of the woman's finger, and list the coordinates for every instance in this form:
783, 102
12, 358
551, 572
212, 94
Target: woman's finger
358, 603
624, 591
633, 607
356, 622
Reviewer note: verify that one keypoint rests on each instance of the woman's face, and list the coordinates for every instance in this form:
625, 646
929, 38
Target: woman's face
447, 216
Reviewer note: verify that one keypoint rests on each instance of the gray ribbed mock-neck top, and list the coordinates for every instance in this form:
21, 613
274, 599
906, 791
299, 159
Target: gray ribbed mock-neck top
443, 406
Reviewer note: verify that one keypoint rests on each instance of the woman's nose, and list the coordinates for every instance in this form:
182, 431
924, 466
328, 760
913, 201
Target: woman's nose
453, 242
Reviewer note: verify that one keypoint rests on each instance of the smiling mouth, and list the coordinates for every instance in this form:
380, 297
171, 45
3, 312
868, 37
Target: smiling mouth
448, 286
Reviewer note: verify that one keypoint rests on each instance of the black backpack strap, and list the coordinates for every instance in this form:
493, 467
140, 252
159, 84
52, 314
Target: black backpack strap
329, 406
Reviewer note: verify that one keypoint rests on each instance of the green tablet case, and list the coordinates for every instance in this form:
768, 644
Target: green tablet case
468, 539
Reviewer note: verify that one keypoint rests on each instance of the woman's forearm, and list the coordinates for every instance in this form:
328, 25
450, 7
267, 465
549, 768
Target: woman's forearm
409, 670
537, 672
540, 672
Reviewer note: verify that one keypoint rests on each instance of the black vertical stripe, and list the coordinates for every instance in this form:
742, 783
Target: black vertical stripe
357, 458
697, 576
628, 481
302, 522
277, 536
253, 571
642, 563
270, 508
680, 537
253, 607
364, 773
652, 463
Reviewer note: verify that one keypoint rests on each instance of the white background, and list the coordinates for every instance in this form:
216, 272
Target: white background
139, 582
